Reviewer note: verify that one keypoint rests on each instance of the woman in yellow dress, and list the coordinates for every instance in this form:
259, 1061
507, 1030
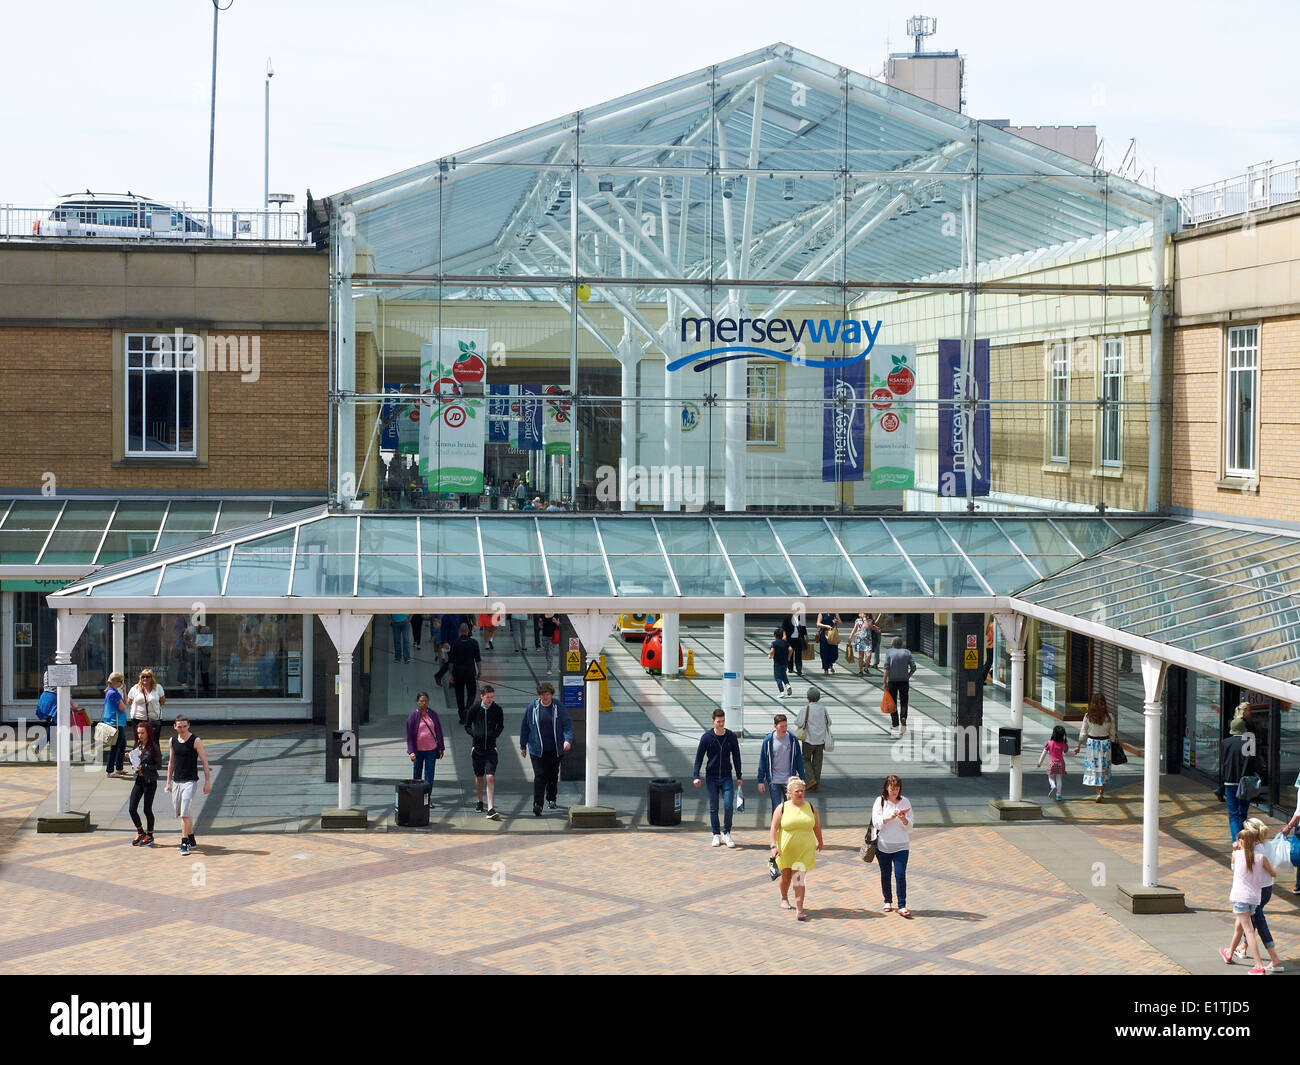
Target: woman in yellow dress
796, 837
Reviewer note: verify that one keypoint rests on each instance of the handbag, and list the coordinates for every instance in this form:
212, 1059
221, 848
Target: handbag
105, 734
867, 852
1117, 754
833, 636
848, 651
1295, 849
887, 704
801, 731
1249, 788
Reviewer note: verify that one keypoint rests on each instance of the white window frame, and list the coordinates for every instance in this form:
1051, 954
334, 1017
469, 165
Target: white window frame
1111, 366
1058, 406
1241, 362
770, 371
139, 345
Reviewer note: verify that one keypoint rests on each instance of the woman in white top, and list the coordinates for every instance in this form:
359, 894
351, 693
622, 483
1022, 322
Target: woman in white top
892, 816
145, 700
1249, 868
1098, 731
816, 723
1257, 918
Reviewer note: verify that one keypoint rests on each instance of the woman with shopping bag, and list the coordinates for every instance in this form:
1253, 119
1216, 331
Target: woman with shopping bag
828, 640
112, 728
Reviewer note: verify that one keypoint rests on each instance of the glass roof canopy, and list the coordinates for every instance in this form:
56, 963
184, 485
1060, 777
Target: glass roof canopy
321, 561
1230, 594
827, 150
68, 537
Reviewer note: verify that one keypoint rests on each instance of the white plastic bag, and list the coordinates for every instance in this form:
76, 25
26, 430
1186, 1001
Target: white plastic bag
740, 800
1278, 852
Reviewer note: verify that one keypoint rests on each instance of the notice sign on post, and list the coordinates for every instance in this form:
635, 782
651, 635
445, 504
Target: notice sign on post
573, 662
63, 675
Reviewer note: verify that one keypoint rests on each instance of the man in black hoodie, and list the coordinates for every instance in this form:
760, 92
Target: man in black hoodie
720, 746
465, 663
484, 722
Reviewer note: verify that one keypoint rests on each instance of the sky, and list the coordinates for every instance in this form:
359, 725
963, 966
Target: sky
115, 97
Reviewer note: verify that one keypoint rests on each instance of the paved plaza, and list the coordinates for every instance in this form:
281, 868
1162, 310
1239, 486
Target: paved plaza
271, 893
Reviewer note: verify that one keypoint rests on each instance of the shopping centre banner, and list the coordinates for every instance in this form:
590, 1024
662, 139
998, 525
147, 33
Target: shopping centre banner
453, 427
499, 413
893, 418
960, 442
844, 422
557, 424
526, 419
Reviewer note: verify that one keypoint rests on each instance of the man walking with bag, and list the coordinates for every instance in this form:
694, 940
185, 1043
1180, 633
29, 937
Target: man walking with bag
813, 732
898, 669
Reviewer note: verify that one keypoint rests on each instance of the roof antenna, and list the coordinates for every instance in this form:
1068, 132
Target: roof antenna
919, 27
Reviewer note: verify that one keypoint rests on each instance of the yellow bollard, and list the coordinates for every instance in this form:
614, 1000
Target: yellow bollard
604, 687
689, 671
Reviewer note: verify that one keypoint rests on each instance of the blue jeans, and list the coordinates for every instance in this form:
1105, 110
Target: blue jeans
1259, 920
425, 761
725, 788
401, 641
777, 791
781, 674
1236, 810
897, 861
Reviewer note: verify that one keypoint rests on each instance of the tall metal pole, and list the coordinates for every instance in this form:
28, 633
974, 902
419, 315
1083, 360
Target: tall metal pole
212, 115
266, 151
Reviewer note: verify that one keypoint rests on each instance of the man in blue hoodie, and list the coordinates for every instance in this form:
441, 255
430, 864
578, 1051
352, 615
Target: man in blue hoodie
779, 760
722, 749
546, 734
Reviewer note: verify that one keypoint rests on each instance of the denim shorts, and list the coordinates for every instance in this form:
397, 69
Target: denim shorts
1244, 907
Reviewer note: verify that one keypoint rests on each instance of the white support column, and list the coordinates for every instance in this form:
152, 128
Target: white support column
1161, 225
346, 355
593, 630
1013, 631
629, 357
69, 628
119, 643
671, 483
345, 629
1153, 683
733, 625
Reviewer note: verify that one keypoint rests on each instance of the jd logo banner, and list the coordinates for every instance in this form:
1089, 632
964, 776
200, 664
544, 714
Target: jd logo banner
731, 332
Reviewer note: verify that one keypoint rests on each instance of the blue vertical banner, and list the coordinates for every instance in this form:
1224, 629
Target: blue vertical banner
529, 431
844, 388
963, 447
498, 414
388, 438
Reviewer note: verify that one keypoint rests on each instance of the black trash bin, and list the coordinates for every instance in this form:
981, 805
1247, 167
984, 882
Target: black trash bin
665, 801
412, 803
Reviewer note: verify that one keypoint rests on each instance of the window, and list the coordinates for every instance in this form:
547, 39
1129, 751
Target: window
762, 386
161, 393
1058, 413
1243, 393
1112, 393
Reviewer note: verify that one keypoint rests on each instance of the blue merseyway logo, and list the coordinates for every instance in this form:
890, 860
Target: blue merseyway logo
731, 331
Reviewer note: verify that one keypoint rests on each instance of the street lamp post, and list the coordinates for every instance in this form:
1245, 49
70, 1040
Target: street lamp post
266, 151
212, 117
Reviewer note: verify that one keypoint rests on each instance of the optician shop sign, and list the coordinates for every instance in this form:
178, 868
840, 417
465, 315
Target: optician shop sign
745, 338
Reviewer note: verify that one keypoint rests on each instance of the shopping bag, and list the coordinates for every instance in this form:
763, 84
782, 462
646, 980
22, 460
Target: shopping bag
808, 652
80, 721
1278, 852
848, 652
887, 704
830, 739
833, 636
1295, 849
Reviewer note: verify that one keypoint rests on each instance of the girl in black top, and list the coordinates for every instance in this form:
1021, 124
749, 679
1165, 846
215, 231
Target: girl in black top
146, 781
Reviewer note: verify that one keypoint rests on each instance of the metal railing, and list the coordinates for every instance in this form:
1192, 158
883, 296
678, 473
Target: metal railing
1262, 186
104, 220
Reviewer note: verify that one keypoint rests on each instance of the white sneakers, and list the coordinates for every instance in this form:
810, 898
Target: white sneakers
717, 841
726, 838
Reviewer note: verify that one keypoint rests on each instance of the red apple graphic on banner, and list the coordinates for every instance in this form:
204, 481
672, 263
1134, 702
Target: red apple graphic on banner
881, 398
445, 386
889, 422
469, 365
900, 378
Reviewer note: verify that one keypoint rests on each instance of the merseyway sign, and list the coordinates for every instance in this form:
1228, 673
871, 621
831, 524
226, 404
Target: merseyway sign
785, 331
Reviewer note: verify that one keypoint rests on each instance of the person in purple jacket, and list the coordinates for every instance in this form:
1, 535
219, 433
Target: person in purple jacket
423, 739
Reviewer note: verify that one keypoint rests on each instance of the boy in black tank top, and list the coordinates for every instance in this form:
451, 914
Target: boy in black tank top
183, 777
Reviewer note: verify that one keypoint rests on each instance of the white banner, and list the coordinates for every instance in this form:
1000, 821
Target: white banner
453, 428
893, 418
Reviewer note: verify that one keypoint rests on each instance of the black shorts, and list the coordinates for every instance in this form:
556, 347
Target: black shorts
485, 762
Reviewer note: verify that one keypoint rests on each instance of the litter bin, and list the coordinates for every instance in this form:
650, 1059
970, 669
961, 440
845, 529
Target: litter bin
412, 803
665, 801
